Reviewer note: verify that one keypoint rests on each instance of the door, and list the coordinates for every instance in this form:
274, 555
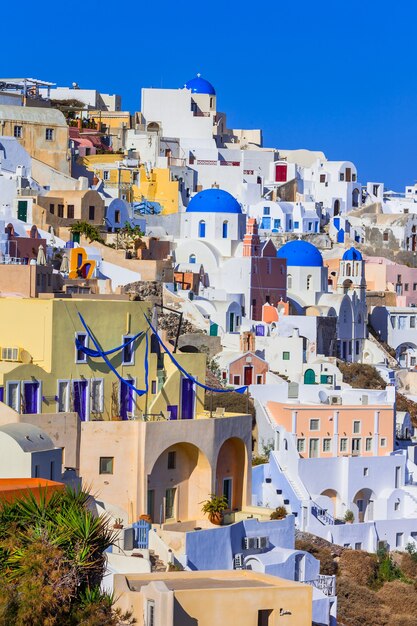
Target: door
299, 567
280, 173
228, 491
79, 392
231, 322
314, 448
30, 395
187, 399
151, 503
126, 400
169, 503
248, 372
22, 210
309, 377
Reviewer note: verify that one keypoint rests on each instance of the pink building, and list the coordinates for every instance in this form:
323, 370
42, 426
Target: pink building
384, 275
325, 431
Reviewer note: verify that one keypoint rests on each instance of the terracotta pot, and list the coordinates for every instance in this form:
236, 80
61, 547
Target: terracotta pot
146, 517
216, 518
117, 525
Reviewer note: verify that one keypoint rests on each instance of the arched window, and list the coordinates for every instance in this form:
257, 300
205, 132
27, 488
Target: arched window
191, 258
202, 229
348, 269
309, 281
336, 208
289, 281
225, 229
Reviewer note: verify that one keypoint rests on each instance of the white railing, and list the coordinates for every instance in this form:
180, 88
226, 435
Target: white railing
326, 584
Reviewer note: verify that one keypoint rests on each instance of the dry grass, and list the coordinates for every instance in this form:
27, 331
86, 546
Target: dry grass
359, 566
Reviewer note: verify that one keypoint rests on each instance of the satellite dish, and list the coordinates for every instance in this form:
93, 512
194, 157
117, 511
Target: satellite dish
25, 356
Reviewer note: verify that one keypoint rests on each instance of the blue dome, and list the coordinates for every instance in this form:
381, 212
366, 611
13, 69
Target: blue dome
300, 254
214, 201
200, 85
352, 255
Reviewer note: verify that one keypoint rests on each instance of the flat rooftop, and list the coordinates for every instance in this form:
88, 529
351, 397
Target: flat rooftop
176, 584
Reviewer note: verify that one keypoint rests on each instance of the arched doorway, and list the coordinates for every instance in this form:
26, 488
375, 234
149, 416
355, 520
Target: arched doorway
335, 499
355, 198
180, 480
364, 500
309, 377
231, 471
406, 355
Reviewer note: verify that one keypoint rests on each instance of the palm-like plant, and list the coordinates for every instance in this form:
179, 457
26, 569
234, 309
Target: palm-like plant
52, 560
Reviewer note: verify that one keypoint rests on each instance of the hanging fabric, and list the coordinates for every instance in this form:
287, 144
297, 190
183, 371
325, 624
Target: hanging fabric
102, 354
178, 366
96, 353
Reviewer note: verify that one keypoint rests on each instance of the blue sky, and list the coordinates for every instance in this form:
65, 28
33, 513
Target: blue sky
334, 76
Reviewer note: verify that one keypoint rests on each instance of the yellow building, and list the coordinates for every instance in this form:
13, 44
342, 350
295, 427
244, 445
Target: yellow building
135, 183
42, 131
42, 371
204, 598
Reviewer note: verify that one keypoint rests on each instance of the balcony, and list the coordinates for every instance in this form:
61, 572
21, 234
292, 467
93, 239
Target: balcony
176, 161
326, 584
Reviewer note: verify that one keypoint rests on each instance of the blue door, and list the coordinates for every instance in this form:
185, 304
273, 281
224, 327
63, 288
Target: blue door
30, 394
126, 400
173, 411
80, 398
187, 399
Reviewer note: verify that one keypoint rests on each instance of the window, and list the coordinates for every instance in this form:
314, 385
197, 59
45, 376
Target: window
397, 505
413, 321
289, 281
128, 351
296, 224
343, 444
153, 387
202, 229
412, 361
277, 223
406, 287
82, 340
314, 424
383, 442
322, 178
259, 379
63, 396
399, 539
341, 176
150, 613
172, 459
18, 132
356, 427
236, 380
327, 445
401, 322
285, 356
414, 286
97, 396
385, 236
91, 212
354, 178
70, 211
358, 546
192, 258
301, 445
106, 465
267, 210
60, 210
49, 134
52, 208
366, 471
368, 444
224, 230
13, 395
356, 445
106, 175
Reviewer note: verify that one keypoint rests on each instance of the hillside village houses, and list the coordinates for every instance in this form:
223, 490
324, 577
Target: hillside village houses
155, 264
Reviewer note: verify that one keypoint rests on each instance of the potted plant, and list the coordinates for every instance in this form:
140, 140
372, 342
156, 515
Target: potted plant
214, 507
118, 523
349, 517
279, 513
146, 517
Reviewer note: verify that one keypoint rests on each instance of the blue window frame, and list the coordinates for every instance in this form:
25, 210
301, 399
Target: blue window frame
80, 356
225, 229
128, 352
277, 223
202, 229
267, 210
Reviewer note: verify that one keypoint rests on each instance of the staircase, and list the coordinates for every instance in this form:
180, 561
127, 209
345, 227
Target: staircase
156, 564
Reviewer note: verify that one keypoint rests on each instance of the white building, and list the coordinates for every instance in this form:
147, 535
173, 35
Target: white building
334, 184
286, 217
397, 327
26, 451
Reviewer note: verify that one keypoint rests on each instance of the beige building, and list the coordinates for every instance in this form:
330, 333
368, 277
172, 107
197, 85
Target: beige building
65, 207
238, 597
42, 131
168, 468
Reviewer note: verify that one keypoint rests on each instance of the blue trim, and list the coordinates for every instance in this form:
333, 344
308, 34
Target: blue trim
178, 366
102, 354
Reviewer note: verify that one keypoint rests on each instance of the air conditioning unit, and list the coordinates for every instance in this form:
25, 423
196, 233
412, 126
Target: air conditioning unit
238, 561
335, 399
263, 543
249, 543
